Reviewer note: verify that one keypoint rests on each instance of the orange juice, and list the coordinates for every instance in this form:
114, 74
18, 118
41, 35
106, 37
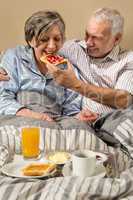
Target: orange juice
30, 142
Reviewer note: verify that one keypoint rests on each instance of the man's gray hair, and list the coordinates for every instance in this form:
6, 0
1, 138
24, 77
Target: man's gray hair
113, 17
40, 22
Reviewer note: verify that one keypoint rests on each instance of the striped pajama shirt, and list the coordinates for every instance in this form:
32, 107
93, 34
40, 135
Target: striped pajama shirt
113, 71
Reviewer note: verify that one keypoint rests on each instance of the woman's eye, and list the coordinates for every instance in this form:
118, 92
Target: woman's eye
44, 40
57, 39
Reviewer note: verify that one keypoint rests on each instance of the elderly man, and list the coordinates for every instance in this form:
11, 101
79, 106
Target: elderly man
106, 69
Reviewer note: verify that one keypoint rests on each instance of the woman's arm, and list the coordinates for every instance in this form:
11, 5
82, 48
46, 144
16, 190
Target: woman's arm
25, 112
9, 89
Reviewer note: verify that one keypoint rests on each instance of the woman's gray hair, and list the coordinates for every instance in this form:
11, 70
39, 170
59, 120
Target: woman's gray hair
113, 17
40, 22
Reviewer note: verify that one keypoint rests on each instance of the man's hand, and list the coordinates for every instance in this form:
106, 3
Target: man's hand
29, 113
64, 77
3, 75
87, 116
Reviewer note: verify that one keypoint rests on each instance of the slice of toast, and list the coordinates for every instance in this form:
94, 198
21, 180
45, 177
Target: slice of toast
53, 59
38, 169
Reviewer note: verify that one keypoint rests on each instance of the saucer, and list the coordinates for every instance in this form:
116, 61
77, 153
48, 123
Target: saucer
99, 168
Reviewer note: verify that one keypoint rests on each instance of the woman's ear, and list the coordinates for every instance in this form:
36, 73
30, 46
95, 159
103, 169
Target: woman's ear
32, 43
118, 38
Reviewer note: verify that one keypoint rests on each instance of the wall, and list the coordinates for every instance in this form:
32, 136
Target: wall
75, 13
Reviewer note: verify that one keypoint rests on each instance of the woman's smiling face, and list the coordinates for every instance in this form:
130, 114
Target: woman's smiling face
49, 43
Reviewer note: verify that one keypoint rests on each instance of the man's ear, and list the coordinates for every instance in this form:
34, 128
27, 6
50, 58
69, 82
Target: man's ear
32, 43
118, 38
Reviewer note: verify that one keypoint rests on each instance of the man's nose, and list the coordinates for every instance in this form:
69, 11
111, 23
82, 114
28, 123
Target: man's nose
89, 41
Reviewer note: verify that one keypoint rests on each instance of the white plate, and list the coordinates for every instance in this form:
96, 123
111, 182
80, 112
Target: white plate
99, 169
14, 169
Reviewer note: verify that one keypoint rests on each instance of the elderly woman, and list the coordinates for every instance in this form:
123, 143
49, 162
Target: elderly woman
31, 91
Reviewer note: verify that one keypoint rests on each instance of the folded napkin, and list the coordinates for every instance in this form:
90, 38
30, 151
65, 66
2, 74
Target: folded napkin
4, 155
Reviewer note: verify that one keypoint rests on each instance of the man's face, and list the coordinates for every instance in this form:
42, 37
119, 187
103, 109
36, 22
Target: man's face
99, 39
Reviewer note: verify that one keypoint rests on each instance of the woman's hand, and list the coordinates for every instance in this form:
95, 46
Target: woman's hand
87, 116
29, 113
3, 75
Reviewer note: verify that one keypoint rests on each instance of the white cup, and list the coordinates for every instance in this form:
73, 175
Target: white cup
83, 163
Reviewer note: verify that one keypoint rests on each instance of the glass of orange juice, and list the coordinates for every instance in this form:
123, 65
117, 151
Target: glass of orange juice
30, 142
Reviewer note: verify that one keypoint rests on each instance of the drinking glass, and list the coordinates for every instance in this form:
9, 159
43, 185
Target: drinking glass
30, 140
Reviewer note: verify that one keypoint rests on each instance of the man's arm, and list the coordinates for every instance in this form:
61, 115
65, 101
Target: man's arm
111, 97
3, 75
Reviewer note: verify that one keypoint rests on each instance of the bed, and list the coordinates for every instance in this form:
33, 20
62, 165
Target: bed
69, 139
67, 134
